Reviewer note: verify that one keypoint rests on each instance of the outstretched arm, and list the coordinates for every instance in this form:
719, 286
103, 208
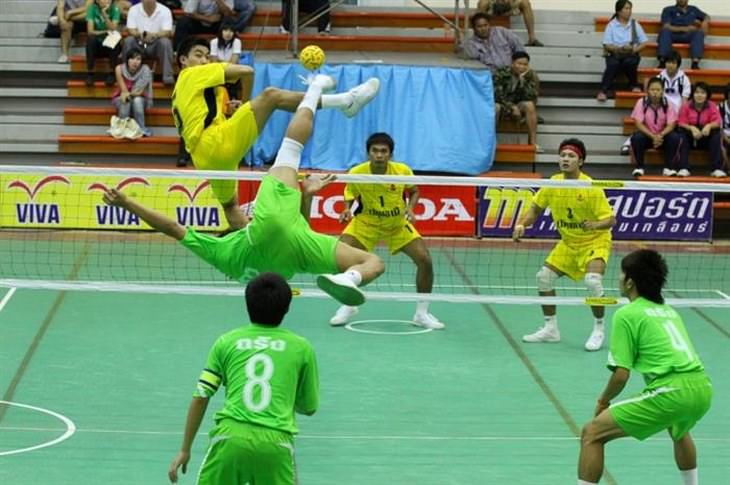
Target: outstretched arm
156, 220
196, 411
526, 220
311, 184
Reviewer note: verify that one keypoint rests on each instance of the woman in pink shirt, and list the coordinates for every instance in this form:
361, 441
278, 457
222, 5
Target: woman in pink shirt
700, 121
655, 119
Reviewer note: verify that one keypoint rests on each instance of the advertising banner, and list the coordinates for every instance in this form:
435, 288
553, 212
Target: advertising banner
441, 211
75, 202
654, 215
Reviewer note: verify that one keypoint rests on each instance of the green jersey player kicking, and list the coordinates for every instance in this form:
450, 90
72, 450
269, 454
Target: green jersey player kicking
279, 238
269, 373
648, 336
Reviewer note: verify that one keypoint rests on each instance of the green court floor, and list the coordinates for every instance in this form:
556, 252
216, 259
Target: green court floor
467, 405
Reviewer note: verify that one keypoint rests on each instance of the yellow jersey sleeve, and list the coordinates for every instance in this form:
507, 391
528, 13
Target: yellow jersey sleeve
197, 101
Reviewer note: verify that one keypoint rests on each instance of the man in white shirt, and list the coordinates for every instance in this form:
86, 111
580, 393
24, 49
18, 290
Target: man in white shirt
149, 25
202, 17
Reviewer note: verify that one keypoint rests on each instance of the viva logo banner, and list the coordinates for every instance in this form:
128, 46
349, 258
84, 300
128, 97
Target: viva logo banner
75, 202
641, 214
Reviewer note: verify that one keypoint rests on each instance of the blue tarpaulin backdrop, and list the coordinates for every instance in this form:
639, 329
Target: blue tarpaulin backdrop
442, 119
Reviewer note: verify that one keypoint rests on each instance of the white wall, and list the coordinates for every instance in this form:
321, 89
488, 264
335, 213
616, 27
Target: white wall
654, 7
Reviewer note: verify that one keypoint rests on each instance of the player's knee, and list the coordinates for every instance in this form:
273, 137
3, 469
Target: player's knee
594, 283
377, 264
423, 260
546, 279
270, 95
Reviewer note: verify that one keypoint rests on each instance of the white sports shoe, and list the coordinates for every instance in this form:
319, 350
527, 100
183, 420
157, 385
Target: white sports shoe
361, 95
544, 334
683, 172
343, 315
62, 59
638, 172
341, 288
718, 173
668, 172
327, 83
595, 341
427, 320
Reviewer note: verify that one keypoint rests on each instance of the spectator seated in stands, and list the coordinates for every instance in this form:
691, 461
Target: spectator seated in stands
656, 120
311, 7
102, 22
244, 10
622, 42
700, 123
725, 113
67, 19
492, 46
134, 89
226, 47
202, 17
149, 25
512, 8
515, 95
677, 85
124, 6
684, 24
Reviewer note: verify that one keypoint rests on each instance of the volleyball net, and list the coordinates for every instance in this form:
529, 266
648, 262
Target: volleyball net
57, 233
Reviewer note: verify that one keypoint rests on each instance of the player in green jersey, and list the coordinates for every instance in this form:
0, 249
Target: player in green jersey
650, 337
269, 373
278, 238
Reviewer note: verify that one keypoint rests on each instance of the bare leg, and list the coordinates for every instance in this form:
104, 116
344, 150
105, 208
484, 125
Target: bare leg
597, 266
550, 310
418, 252
595, 435
271, 99
685, 453
367, 264
530, 112
299, 130
529, 17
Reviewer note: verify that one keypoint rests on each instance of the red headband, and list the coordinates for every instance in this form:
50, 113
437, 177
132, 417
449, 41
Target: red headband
573, 148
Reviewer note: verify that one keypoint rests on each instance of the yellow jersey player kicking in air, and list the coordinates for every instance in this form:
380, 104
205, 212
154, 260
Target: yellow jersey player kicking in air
219, 143
584, 219
278, 238
384, 215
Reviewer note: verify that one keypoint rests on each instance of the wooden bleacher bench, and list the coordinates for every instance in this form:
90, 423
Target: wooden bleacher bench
712, 51
627, 99
713, 77
153, 145
697, 158
652, 26
693, 179
78, 89
101, 116
515, 153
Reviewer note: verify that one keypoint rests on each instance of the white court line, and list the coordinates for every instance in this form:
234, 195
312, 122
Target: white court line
724, 295
70, 429
346, 437
7, 298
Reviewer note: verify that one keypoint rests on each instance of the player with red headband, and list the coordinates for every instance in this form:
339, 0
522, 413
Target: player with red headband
584, 219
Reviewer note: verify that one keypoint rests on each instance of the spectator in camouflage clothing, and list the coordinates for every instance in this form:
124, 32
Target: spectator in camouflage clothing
515, 95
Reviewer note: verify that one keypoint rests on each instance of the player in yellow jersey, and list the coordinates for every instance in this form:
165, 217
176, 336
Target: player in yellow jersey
584, 219
384, 215
219, 143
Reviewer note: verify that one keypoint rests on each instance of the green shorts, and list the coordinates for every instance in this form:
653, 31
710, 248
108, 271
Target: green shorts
278, 239
246, 453
677, 406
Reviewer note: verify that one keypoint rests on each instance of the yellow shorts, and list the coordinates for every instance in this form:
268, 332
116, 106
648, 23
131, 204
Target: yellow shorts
222, 146
573, 261
368, 234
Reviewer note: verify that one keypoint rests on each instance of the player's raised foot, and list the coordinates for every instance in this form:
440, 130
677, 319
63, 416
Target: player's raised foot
544, 334
595, 341
327, 83
343, 315
427, 320
341, 288
361, 95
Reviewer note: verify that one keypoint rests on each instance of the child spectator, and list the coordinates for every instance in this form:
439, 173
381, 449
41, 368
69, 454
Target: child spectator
700, 121
515, 95
677, 85
134, 89
622, 41
226, 47
655, 121
102, 19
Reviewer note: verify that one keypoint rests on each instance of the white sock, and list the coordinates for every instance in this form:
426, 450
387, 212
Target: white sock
583, 482
354, 275
598, 324
551, 322
311, 98
341, 100
690, 476
289, 154
422, 307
